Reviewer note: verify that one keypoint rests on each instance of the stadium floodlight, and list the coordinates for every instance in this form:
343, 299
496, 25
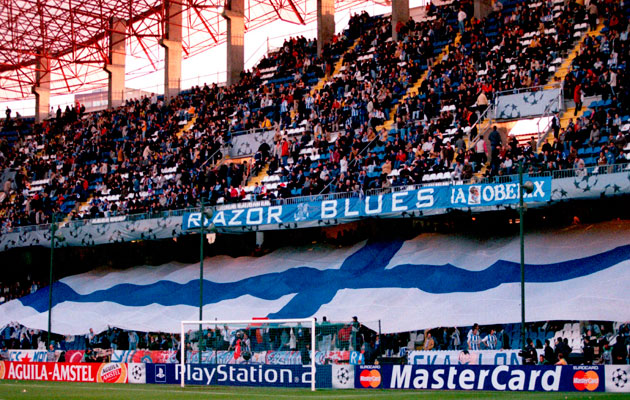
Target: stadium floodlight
201, 347
53, 236
527, 187
206, 215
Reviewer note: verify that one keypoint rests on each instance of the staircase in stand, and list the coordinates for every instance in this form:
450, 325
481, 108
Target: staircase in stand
564, 68
413, 90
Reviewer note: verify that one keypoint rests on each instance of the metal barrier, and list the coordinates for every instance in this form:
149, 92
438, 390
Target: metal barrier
483, 125
554, 85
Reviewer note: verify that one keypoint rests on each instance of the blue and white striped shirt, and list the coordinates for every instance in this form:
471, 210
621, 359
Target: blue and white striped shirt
491, 341
473, 340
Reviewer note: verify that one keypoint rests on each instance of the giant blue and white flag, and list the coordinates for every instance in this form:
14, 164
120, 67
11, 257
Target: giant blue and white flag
579, 273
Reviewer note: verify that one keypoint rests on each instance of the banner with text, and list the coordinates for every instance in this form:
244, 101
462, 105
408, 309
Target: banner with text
64, 372
455, 357
145, 356
545, 378
271, 357
401, 202
29, 355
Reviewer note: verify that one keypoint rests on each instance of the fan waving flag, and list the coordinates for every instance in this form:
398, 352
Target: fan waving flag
579, 273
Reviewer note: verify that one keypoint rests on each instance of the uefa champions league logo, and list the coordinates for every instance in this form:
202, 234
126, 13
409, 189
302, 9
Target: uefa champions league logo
620, 378
343, 375
137, 372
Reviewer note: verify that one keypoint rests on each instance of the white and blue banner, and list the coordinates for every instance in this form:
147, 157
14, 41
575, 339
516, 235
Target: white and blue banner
28, 355
271, 357
578, 273
408, 201
457, 357
584, 185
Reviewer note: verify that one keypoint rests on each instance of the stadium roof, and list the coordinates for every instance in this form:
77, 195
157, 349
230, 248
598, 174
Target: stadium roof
74, 35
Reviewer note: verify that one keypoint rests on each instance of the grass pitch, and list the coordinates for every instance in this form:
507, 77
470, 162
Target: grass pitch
80, 391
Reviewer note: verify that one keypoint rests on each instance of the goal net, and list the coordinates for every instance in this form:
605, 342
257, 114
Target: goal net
257, 352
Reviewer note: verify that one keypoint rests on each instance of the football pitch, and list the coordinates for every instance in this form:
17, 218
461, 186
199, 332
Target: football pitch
68, 391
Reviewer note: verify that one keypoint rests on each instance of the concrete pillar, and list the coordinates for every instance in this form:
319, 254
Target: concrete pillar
400, 13
482, 8
325, 23
41, 89
172, 43
115, 66
234, 13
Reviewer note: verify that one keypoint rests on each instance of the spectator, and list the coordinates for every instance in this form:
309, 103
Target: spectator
429, 343
550, 357
561, 360
619, 351
529, 354
461, 20
490, 341
455, 340
473, 340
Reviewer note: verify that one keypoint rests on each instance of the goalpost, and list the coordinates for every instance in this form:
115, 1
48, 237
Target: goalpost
245, 343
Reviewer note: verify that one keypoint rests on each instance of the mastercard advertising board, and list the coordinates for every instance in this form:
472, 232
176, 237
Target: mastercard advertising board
543, 378
587, 381
64, 372
370, 377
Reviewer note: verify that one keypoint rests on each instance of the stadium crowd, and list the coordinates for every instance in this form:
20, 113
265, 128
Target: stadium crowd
18, 288
137, 158
597, 343
428, 136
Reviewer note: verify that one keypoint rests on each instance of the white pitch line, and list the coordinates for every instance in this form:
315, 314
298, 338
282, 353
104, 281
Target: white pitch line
213, 392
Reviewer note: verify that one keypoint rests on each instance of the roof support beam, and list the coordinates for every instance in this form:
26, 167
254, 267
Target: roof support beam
41, 89
234, 13
400, 15
297, 13
325, 23
482, 8
115, 64
172, 43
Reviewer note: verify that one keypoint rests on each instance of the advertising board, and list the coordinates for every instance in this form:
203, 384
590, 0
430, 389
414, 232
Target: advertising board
64, 372
481, 377
294, 376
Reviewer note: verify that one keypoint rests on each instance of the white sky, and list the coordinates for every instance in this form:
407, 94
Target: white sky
210, 65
